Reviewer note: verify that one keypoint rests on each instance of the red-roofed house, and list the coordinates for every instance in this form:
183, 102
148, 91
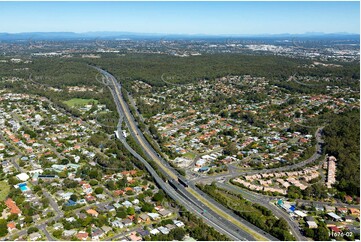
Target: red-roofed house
11, 226
118, 192
82, 235
12, 206
335, 229
348, 198
92, 212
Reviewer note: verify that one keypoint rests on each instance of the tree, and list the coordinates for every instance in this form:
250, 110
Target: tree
294, 192
93, 182
130, 211
121, 213
99, 190
62, 174
32, 230
93, 174
147, 207
159, 196
178, 233
74, 197
28, 219
322, 234
309, 232
57, 234
3, 227
230, 149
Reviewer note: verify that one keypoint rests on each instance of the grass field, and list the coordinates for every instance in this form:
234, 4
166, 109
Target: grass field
190, 155
4, 190
79, 102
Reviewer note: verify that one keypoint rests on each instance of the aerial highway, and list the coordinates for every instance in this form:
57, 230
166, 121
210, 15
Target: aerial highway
214, 214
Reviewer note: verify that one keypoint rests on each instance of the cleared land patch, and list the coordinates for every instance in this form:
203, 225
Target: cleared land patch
80, 102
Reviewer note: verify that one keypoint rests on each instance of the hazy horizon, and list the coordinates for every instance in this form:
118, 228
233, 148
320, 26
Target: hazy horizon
187, 18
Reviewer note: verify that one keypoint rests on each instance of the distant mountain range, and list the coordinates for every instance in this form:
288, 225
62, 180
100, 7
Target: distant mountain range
130, 35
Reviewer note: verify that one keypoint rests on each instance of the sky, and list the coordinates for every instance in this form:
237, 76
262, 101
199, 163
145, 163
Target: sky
181, 17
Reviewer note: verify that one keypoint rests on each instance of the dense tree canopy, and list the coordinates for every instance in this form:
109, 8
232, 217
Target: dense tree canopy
342, 137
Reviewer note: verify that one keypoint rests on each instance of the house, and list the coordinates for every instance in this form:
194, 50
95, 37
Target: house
144, 217
300, 213
154, 216
12, 206
101, 208
335, 230
349, 219
128, 189
97, 234
106, 229
23, 176
118, 193
89, 198
142, 232
116, 205
354, 211
348, 199
319, 208
127, 222
163, 230
133, 237
117, 224
11, 226
70, 219
101, 196
34, 236
137, 189
334, 217
92, 212
110, 208
81, 215
127, 204
165, 213
178, 223
341, 210
329, 208
154, 231
309, 218
330, 223
69, 233
170, 226
82, 235
311, 224
66, 195
58, 226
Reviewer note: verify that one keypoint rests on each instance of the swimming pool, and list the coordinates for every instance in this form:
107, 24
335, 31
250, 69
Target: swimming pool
23, 187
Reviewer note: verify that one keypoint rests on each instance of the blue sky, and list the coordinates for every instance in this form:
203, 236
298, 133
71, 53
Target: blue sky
181, 17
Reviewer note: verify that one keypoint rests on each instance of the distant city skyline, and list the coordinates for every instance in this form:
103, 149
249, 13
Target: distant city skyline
211, 18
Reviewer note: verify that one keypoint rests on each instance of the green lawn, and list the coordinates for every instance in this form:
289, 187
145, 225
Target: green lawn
4, 190
189, 155
79, 102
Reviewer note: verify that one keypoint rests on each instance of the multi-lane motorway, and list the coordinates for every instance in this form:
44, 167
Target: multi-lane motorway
214, 214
